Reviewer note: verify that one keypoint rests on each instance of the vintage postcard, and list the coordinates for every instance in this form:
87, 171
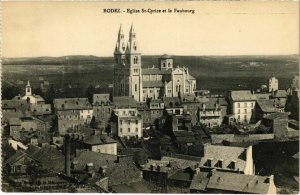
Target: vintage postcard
150, 97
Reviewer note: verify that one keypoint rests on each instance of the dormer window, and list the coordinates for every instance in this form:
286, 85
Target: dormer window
219, 164
208, 163
232, 165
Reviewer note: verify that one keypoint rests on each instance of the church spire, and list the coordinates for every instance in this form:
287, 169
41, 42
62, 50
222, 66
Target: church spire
132, 46
120, 45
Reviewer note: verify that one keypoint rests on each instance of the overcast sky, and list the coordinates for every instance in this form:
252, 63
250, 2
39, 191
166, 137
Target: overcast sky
217, 28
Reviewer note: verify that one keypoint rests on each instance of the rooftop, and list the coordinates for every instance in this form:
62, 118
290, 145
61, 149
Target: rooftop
246, 183
71, 104
267, 105
242, 95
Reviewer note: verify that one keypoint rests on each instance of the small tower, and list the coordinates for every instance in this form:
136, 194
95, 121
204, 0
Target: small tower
165, 62
272, 84
28, 89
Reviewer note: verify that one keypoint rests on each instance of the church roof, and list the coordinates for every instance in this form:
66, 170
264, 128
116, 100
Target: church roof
146, 71
153, 84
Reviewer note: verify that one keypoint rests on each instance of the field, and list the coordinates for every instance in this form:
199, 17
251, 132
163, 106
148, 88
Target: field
216, 73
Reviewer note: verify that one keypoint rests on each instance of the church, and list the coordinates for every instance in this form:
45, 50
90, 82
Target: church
130, 79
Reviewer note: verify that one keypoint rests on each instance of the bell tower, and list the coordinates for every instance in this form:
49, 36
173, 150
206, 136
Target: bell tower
120, 77
28, 89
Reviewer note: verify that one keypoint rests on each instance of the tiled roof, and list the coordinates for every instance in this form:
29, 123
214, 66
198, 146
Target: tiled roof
123, 172
72, 104
154, 71
171, 101
31, 150
184, 136
17, 104
280, 94
124, 101
40, 109
281, 115
241, 183
153, 84
98, 159
264, 96
182, 175
14, 121
200, 181
50, 158
14, 158
101, 98
98, 140
226, 154
136, 187
243, 95
267, 106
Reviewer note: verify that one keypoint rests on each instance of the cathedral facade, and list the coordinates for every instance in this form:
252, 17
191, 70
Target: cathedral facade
130, 79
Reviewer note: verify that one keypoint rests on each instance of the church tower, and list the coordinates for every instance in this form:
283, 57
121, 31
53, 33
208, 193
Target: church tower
127, 71
133, 58
120, 66
28, 89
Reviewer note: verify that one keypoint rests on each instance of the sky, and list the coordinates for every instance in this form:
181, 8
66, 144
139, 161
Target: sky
32, 29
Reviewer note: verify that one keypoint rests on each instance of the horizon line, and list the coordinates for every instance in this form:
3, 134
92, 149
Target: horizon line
156, 55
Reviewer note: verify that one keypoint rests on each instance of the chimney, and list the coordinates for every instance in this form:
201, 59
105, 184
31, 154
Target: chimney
67, 155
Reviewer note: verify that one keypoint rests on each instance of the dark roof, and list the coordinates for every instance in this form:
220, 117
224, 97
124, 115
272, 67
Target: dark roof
153, 84
14, 158
238, 182
280, 94
32, 150
40, 109
50, 158
14, 121
98, 159
98, 140
200, 181
267, 106
173, 100
184, 136
264, 96
124, 101
124, 171
136, 187
182, 175
154, 71
281, 115
242, 95
101, 98
72, 104
17, 104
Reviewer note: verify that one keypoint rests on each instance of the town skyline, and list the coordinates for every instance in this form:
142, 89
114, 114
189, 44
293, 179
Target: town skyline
245, 31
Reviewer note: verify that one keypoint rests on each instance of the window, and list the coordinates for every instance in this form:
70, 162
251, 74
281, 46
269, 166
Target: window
121, 122
164, 64
136, 122
135, 87
136, 130
245, 111
239, 111
151, 91
251, 104
187, 90
245, 104
135, 60
169, 91
208, 163
239, 117
169, 65
128, 130
121, 130
219, 164
238, 105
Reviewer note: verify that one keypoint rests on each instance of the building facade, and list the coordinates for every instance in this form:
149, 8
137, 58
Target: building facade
131, 80
272, 84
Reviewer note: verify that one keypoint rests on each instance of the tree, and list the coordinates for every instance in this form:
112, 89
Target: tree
50, 95
38, 91
89, 93
10, 92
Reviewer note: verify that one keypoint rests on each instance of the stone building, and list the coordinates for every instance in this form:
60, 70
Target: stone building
32, 98
72, 112
228, 158
131, 80
127, 122
242, 104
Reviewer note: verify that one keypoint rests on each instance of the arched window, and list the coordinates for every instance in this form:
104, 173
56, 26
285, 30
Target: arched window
135, 60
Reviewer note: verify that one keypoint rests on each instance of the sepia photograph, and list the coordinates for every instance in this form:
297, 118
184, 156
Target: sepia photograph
150, 97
